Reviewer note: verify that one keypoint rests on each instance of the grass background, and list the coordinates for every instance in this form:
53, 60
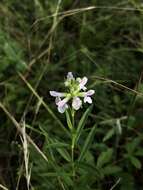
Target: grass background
40, 41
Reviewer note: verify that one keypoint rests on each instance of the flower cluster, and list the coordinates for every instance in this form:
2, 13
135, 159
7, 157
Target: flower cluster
76, 90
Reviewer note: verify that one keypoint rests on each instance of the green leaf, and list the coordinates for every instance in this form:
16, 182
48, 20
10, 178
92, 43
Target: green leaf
84, 167
87, 144
109, 170
104, 157
66, 176
82, 124
109, 135
63, 152
69, 120
132, 146
139, 152
58, 145
135, 162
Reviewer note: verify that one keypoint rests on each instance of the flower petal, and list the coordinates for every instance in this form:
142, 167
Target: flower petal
82, 83
90, 92
62, 102
70, 75
57, 100
84, 88
76, 103
87, 99
57, 94
63, 108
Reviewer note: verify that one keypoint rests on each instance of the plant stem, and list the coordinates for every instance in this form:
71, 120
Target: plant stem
72, 114
72, 155
73, 142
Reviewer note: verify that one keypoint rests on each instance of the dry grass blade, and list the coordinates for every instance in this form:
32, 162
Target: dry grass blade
26, 155
120, 85
113, 187
18, 127
2, 187
50, 36
80, 10
44, 104
65, 13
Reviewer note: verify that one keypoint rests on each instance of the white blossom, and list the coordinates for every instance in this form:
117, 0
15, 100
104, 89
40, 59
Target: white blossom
76, 91
90, 92
61, 103
63, 108
57, 94
76, 103
87, 99
70, 75
82, 83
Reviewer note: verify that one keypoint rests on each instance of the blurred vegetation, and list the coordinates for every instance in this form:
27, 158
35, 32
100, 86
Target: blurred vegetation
40, 41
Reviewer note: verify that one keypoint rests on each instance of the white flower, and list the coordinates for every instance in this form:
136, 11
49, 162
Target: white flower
69, 80
82, 83
62, 104
87, 97
76, 103
70, 75
63, 108
76, 90
90, 92
57, 94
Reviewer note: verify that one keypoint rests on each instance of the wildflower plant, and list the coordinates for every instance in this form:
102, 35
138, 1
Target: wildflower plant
69, 102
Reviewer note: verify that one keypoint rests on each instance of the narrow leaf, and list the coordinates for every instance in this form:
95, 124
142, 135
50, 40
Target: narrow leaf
82, 124
108, 135
69, 120
63, 152
104, 157
58, 145
87, 144
135, 162
110, 170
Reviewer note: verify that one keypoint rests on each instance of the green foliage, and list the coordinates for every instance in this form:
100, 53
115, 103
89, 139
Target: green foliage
87, 144
81, 124
104, 158
44, 40
11, 56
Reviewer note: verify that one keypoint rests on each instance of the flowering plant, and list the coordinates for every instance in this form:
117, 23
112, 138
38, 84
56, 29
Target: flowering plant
75, 95
76, 90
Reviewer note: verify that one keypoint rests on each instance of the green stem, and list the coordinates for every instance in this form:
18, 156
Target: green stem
72, 147
72, 114
73, 142
72, 155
